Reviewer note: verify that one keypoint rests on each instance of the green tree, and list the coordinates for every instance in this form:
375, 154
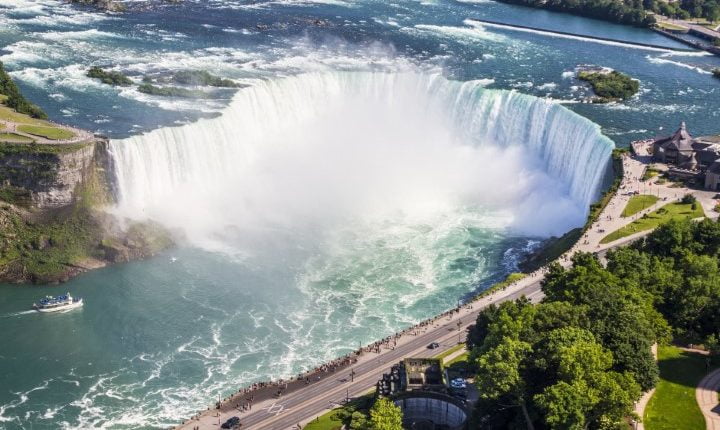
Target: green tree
587, 391
500, 377
384, 415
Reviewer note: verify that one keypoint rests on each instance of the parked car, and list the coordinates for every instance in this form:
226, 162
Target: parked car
434, 345
231, 423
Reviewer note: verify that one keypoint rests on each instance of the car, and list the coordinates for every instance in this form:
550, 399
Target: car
434, 345
231, 423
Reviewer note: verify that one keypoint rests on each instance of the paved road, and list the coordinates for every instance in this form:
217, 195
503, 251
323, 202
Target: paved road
305, 404
706, 395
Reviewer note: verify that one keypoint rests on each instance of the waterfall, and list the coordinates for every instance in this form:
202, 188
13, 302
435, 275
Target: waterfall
268, 118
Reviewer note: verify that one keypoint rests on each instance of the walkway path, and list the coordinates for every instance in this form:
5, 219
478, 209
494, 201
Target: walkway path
79, 135
706, 394
645, 399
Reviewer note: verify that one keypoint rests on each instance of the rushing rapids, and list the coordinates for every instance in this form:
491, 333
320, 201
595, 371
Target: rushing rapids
183, 174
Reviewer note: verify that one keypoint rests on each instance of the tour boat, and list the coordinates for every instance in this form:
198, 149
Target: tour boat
57, 304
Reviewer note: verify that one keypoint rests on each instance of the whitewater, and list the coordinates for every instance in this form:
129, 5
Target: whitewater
323, 148
383, 161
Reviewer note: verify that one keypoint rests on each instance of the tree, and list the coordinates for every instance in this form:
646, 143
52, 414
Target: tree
587, 391
15, 99
384, 415
500, 377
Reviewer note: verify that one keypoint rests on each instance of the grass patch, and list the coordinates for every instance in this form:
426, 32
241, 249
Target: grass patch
12, 137
34, 148
664, 214
462, 358
10, 115
500, 285
53, 133
650, 173
669, 26
638, 203
343, 416
552, 250
673, 406
444, 354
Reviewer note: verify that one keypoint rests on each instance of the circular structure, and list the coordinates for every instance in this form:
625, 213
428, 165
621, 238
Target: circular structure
423, 410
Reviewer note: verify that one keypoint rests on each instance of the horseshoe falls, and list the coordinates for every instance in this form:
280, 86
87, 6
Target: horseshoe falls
316, 212
313, 151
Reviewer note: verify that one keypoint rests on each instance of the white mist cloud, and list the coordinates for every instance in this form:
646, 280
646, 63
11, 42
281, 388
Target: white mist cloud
310, 154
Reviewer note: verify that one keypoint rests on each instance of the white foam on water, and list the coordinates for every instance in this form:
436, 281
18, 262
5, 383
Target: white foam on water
463, 34
660, 60
482, 25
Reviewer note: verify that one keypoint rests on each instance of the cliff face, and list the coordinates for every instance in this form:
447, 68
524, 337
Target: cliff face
52, 220
50, 175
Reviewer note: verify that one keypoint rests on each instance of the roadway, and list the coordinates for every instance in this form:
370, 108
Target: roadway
304, 405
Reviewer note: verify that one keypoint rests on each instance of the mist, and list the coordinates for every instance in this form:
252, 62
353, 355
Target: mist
310, 155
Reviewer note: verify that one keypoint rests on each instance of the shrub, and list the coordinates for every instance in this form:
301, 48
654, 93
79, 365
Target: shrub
689, 199
15, 99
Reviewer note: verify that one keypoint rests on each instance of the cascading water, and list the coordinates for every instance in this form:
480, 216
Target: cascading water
332, 138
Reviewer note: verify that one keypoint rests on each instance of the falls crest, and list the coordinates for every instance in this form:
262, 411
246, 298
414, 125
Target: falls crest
195, 158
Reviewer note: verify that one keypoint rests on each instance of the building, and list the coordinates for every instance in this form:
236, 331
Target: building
419, 386
690, 157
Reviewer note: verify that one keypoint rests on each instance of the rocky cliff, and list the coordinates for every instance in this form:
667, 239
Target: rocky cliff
50, 174
52, 220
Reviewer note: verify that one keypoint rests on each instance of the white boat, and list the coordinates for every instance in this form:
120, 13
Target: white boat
58, 304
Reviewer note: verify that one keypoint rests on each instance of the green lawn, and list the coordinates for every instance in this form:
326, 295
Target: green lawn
638, 203
8, 114
462, 358
655, 218
444, 354
669, 26
16, 138
334, 420
673, 406
47, 132
650, 173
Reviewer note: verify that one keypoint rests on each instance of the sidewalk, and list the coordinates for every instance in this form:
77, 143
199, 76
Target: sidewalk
706, 395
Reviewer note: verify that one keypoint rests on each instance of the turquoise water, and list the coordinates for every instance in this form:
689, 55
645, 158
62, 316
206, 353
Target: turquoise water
287, 261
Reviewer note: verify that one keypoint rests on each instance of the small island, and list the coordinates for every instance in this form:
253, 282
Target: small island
110, 78
151, 89
202, 77
610, 86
